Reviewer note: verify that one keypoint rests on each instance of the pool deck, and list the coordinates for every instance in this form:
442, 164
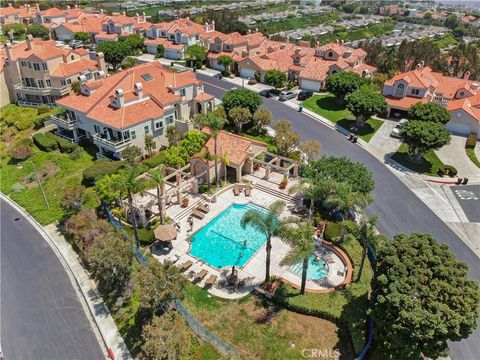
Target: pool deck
252, 273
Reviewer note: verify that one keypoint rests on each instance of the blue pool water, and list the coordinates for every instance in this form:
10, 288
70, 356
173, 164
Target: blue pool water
316, 269
221, 242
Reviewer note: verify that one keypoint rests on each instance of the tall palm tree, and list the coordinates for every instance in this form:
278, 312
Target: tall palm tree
299, 235
215, 123
345, 199
149, 144
368, 234
266, 222
157, 176
225, 162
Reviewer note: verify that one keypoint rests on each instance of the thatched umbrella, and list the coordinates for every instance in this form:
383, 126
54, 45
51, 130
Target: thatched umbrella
165, 233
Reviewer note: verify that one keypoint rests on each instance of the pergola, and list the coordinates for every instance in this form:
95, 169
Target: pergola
276, 164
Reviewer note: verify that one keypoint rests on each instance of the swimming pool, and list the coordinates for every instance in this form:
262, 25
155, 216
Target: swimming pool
316, 269
223, 242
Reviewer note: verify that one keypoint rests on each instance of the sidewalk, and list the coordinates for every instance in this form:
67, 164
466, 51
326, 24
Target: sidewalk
102, 322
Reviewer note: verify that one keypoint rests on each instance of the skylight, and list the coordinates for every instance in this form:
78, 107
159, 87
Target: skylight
146, 77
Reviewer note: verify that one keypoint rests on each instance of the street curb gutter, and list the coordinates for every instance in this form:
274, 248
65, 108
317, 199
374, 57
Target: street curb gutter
114, 346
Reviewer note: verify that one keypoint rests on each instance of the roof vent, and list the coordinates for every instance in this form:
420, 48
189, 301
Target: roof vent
146, 77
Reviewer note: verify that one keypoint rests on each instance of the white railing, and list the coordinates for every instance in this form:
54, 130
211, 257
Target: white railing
65, 123
33, 104
103, 157
112, 143
44, 90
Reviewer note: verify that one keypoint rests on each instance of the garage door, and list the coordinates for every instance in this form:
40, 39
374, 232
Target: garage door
247, 73
457, 128
172, 54
310, 85
216, 66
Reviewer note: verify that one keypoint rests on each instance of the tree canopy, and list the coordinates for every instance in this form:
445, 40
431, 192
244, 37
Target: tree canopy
364, 103
422, 298
241, 98
341, 169
275, 78
261, 119
422, 136
196, 53
135, 42
82, 36
114, 52
193, 141
285, 138
239, 116
342, 83
225, 61
429, 112
38, 31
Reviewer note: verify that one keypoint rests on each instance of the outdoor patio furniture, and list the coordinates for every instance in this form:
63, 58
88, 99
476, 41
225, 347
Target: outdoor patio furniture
236, 189
203, 208
198, 214
248, 190
199, 277
165, 233
186, 265
211, 280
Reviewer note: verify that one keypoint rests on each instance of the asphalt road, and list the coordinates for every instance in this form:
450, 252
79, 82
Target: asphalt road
41, 316
469, 199
398, 208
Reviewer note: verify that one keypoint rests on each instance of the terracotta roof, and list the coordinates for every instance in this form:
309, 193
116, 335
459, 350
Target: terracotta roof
470, 105
422, 78
106, 35
74, 67
21, 11
121, 19
42, 49
53, 12
406, 102
203, 97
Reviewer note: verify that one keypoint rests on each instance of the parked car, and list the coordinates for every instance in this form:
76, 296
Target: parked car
286, 95
304, 95
93, 47
75, 44
265, 93
397, 130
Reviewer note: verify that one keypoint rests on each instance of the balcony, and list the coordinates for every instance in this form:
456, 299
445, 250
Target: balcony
61, 91
63, 121
113, 145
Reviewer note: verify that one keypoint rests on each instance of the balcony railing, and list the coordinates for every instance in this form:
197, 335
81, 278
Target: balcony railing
63, 122
114, 145
44, 91
33, 104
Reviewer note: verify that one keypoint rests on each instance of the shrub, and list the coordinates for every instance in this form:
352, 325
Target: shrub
448, 170
44, 143
100, 169
154, 161
17, 187
332, 231
471, 141
43, 109
64, 146
40, 120
76, 153
21, 151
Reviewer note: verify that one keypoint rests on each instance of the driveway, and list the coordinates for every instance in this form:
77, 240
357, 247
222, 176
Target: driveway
382, 140
454, 154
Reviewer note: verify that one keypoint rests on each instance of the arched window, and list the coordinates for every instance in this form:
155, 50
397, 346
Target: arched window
399, 91
330, 54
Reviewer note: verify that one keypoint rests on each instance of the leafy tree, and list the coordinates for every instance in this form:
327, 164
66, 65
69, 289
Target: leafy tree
429, 112
215, 123
261, 119
344, 199
266, 222
73, 198
158, 284
364, 103
421, 136
285, 138
414, 52
149, 144
166, 337
311, 148
452, 21
422, 298
38, 31
299, 235
16, 29
197, 54
225, 61
313, 190
76, 87
131, 153
128, 62
275, 78
176, 156
225, 162
111, 260
239, 116
243, 98
193, 141
114, 52
82, 36
172, 135
157, 176
160, 51
341, 169
342, 83
135, 42
465, 57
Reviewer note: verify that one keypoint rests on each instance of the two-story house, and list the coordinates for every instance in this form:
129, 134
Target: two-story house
121, 25
21, 15
118, 111
55, 16
39, 72
422, 85
89, 23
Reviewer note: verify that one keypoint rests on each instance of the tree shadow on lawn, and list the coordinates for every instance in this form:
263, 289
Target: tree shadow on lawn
329, 103
423, 167
349, 125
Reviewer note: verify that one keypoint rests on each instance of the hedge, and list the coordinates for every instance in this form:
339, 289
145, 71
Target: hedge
155, 161
332, 230
100, 169
471, 141
64, 145
448, 170
44, 142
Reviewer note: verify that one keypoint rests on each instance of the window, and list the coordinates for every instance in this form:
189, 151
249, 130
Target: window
415, 91
29, 65
399, 91
96, 128
36, 66
182, 92
158, 124
169, 119
44, 67
172, 37
147, 129
330, 54
132, 133
126, 135
49, 83
23, 63
41, 84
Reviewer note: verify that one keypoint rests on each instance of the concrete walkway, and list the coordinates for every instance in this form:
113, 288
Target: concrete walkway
382, 140
454, 154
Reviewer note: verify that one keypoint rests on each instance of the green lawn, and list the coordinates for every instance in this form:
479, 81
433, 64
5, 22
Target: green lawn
471, 155
445, 41
429, 166
328, 107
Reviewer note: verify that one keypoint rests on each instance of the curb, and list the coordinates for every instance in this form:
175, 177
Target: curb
86, 302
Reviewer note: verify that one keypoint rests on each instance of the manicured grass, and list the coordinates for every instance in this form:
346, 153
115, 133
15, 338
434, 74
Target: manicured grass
260, 329
471, 155
446, 41
329, 108
429, 166
346, 307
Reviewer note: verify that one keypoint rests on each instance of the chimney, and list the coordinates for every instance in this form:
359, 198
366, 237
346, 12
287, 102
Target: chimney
249, 31
474, 86
120, 97
101, 62
8, 49
68, 7
213, 25
101, 11
347, 53
466, 75
206, 26
30, 43
286, 39
10, 5
124, 13
138, 90
38, 7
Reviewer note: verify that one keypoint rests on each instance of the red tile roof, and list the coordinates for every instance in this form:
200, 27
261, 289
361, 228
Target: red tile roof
203, 97
74, 67
404, 103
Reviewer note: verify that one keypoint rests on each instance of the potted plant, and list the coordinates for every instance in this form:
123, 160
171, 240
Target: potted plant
284, 183
185, 202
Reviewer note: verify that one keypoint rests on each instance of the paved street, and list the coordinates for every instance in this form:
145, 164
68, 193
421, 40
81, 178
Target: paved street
400, 211
469, 199
41, 316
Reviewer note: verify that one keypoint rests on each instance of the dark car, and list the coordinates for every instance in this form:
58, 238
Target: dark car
304, 95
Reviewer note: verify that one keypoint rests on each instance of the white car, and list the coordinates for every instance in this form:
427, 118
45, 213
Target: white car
286, 95
397, 130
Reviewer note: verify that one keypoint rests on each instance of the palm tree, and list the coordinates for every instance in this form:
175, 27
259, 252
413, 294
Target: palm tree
157, 176
313, 190
266, 222
149, 144
345, 199
225, 162
215, 123
368, 234
299, 235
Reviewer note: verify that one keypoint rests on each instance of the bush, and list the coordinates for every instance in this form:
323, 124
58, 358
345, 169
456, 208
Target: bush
40, 120
43, 109
471, 141
21, 151
17, 187
154, 161
45, 143
332, 231
448, 170
76, 153
64, 146
100, 169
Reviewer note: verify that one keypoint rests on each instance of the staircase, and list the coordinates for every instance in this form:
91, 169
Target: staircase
281, 195
184, 213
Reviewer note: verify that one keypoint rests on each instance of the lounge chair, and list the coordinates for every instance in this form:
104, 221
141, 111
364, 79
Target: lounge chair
236, 189
211, 280
198, 214
199, 277
186, 265
203, 208
248, 190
